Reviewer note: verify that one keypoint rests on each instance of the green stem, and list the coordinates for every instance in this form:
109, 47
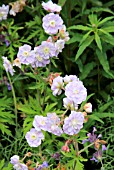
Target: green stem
15, 107
82, 150
77, 152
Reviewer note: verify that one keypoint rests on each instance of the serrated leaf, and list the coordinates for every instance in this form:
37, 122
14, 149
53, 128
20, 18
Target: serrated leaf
87, 69
85, 37
83, 46
109, 29
104, 114
94, 117
108, 39
105, 20
105, 106
80, 27
79, 165
104, 62
98, 41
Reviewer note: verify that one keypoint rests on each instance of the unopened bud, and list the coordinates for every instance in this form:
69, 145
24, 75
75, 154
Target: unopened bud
88, 107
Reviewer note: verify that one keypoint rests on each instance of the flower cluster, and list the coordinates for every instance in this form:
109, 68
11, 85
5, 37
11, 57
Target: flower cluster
40, 56
4, 9
75, 91
17, 165
51, 123
93, 138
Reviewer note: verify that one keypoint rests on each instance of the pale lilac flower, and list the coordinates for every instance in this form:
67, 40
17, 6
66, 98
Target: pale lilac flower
70, 78
4, 12
47, 49
73, 123
40, 59
104, 148
52, 23
64, 35
76, 91
51, 7
57, 85
59, 44
34, 137
25, 54
39, 123
14, 159
8, 66
88, 107
20, 166
69, 104
53, 122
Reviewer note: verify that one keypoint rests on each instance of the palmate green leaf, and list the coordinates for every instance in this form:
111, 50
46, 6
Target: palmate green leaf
104, 62
98, 41
79, 27
105, 20
79, 165
27, 125
84, 45
4, 129
87, 69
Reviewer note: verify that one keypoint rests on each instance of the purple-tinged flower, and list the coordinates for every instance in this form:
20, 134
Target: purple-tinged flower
39, 123
14, 159
104, 148
76, 91
57, 85
43, 166
9, 86
97, 156
47, 49
70, 78
53, 122
73, 123
4, 12
8, 66
34, 137
7, 43
56, 156
52, 23
59, 44
51, 7
69, 104
39, 60
20, 166
25, 54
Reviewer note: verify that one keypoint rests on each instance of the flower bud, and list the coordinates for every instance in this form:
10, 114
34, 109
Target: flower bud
88, 107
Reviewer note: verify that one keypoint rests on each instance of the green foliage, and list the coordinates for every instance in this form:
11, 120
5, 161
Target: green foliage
2, 167
6, 117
